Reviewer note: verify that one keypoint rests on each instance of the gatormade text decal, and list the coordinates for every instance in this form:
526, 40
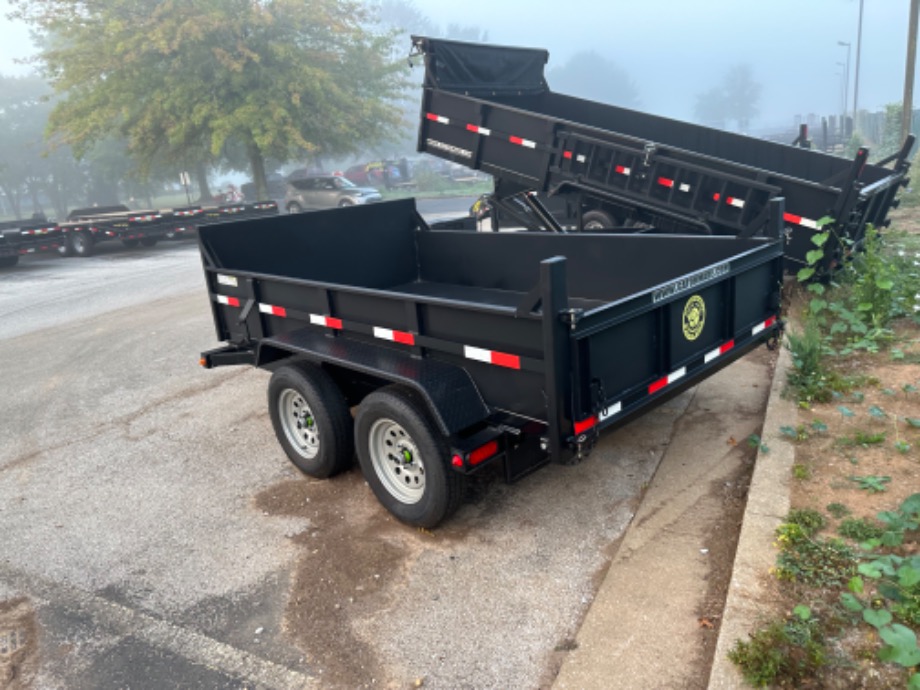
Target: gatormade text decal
689, 282
456, 150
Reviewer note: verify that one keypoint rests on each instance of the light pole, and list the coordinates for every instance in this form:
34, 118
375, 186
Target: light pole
843, 78
856, 76
846, 90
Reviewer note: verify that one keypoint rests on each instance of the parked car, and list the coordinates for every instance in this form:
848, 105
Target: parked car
326, 191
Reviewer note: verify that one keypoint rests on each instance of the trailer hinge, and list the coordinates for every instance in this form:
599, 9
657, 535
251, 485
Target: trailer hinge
571, 317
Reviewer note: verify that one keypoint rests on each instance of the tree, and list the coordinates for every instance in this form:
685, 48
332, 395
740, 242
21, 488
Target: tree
180, 79
590, 75
736, 98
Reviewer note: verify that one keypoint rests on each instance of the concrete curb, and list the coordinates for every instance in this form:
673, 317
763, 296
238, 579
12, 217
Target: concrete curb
767, 505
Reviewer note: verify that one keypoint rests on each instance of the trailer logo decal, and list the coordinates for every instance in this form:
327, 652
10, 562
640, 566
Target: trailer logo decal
694, 317
690, 282
456, 150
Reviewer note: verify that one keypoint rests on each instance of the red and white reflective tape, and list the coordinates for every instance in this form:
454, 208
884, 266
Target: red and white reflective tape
394, 336
669, 183
501, 359
721, 350
476, 129
437, 118
526, 143
144, 218
730, 200
799, 220
667, 380
761, 327
273, 310
568, 155
622, 170
327, 321
229, 301
585, 424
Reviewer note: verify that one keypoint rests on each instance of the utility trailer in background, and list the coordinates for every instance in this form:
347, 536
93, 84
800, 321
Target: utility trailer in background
87, 227
490, 108
22, 237
462, 350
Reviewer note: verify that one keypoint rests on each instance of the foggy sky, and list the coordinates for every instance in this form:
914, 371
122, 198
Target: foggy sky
675, 49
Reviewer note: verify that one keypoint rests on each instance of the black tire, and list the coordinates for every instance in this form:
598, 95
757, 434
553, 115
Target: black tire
596, 221
66, 246
82, 243
346, 202
414, 481
149, 241
294, 207
9, 261
131, 244
311, 420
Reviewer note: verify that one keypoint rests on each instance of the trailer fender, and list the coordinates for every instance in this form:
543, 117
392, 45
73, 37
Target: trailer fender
451, 395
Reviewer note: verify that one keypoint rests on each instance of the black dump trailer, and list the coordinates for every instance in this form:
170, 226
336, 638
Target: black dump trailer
32, 236
490, 108
462, 350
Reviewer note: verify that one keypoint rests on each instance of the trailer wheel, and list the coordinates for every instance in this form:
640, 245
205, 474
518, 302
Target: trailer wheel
149, 241
294, 207
404, 458
311, 420
596, 220
131, 244
66, 246
82, 243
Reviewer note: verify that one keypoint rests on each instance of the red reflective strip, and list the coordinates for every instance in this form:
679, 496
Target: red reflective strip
279, 311
665, 182
431, 116
404, 338
792, 218
769, 322
505, 360
473, 128
726, 347
334, 323
729, 200
516, 140
620, 169
456, 461
658, 385
585, 424
567, 154
233, 301
483, 453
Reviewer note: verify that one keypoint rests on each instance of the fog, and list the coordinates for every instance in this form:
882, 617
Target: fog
674, 50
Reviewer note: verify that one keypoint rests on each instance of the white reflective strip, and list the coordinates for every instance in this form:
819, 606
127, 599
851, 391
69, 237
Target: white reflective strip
758, 328
676, 375
528, 143
442, 120
227, 280
384, 333
484, 132
611, 411
477, 353
737, 203
265, 308
809, 223
317, 320
684, 188
712, 355
580, 159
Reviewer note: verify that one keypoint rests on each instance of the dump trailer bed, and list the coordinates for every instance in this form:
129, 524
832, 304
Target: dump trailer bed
490, 108
512, 347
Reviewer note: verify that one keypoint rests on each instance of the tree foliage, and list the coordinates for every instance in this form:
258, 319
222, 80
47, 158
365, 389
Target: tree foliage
180, 79
736, 98
590, 75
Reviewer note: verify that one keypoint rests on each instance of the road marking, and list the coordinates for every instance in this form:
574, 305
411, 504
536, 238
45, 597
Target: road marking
193, 646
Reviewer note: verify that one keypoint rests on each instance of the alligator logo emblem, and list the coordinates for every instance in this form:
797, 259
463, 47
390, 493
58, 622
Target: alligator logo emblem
694, 317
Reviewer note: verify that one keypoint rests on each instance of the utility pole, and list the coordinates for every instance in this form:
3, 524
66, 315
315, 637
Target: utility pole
856, 85
907, 106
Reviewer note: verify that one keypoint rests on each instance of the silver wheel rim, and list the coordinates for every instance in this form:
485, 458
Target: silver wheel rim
397, 461
298, 423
